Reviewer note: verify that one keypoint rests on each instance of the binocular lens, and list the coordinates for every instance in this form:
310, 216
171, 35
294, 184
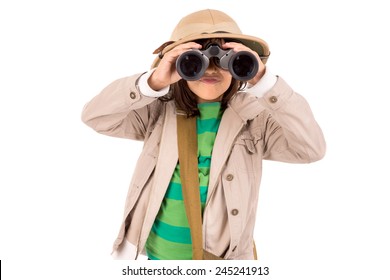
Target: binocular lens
243, 66
190, 66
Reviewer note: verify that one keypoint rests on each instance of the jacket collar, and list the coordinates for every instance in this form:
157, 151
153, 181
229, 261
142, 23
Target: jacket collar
246, 106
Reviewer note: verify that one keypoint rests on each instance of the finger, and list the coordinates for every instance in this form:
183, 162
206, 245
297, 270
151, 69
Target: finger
185, 47
236, 47
174, 53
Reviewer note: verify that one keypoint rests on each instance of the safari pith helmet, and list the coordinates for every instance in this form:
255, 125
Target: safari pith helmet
207, 24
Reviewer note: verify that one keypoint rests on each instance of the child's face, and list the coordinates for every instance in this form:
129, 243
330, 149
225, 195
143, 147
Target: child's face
212, 85
215, 80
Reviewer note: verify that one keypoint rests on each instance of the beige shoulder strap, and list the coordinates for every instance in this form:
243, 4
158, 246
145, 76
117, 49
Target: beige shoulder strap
188, 149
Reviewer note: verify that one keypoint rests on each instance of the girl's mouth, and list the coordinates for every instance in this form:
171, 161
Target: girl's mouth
209, 79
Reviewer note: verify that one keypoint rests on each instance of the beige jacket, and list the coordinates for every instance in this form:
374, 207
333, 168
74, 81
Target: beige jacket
279, 126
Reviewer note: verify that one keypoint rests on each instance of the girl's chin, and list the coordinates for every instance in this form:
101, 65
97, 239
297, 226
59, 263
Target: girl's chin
206, 99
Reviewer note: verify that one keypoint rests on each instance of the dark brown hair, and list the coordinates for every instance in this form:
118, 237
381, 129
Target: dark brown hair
186, 100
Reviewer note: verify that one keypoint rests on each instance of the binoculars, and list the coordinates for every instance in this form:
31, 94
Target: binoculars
192, 64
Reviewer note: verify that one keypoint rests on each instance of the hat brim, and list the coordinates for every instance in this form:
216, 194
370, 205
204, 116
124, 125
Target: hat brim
254, 43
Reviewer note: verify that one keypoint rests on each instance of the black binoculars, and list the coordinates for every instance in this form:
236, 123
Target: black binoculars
192, 64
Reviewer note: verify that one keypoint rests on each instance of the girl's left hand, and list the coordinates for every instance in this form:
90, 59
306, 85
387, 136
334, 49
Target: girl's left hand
237, 47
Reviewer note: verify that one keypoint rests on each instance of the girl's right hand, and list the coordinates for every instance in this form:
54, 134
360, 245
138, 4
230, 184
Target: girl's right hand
165, 73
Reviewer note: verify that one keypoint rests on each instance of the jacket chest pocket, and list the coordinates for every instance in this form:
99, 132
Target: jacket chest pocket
249, 141
245, 152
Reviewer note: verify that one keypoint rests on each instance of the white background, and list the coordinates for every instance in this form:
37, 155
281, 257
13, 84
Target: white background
63, 186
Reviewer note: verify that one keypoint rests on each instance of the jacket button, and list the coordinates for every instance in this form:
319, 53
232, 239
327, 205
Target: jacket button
273, 99
234, 212
229, 177
133, 95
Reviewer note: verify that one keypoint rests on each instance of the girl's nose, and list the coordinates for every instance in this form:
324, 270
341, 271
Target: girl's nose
213, 66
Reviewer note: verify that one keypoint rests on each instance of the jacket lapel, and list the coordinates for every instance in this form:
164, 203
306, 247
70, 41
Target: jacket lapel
164, 169
231, 125
242, 107
168, 153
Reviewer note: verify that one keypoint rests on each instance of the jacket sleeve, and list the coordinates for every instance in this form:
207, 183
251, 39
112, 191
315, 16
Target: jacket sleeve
291, 133
120, 110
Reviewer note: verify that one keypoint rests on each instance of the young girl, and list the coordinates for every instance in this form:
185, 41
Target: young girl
238, 124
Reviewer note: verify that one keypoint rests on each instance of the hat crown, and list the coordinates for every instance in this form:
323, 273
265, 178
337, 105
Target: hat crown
205, 22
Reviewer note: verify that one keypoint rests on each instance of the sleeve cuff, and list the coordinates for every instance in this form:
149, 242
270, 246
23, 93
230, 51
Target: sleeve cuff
145, 88
264, 85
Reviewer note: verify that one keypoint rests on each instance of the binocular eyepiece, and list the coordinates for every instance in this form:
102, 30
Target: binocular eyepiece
192, 64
